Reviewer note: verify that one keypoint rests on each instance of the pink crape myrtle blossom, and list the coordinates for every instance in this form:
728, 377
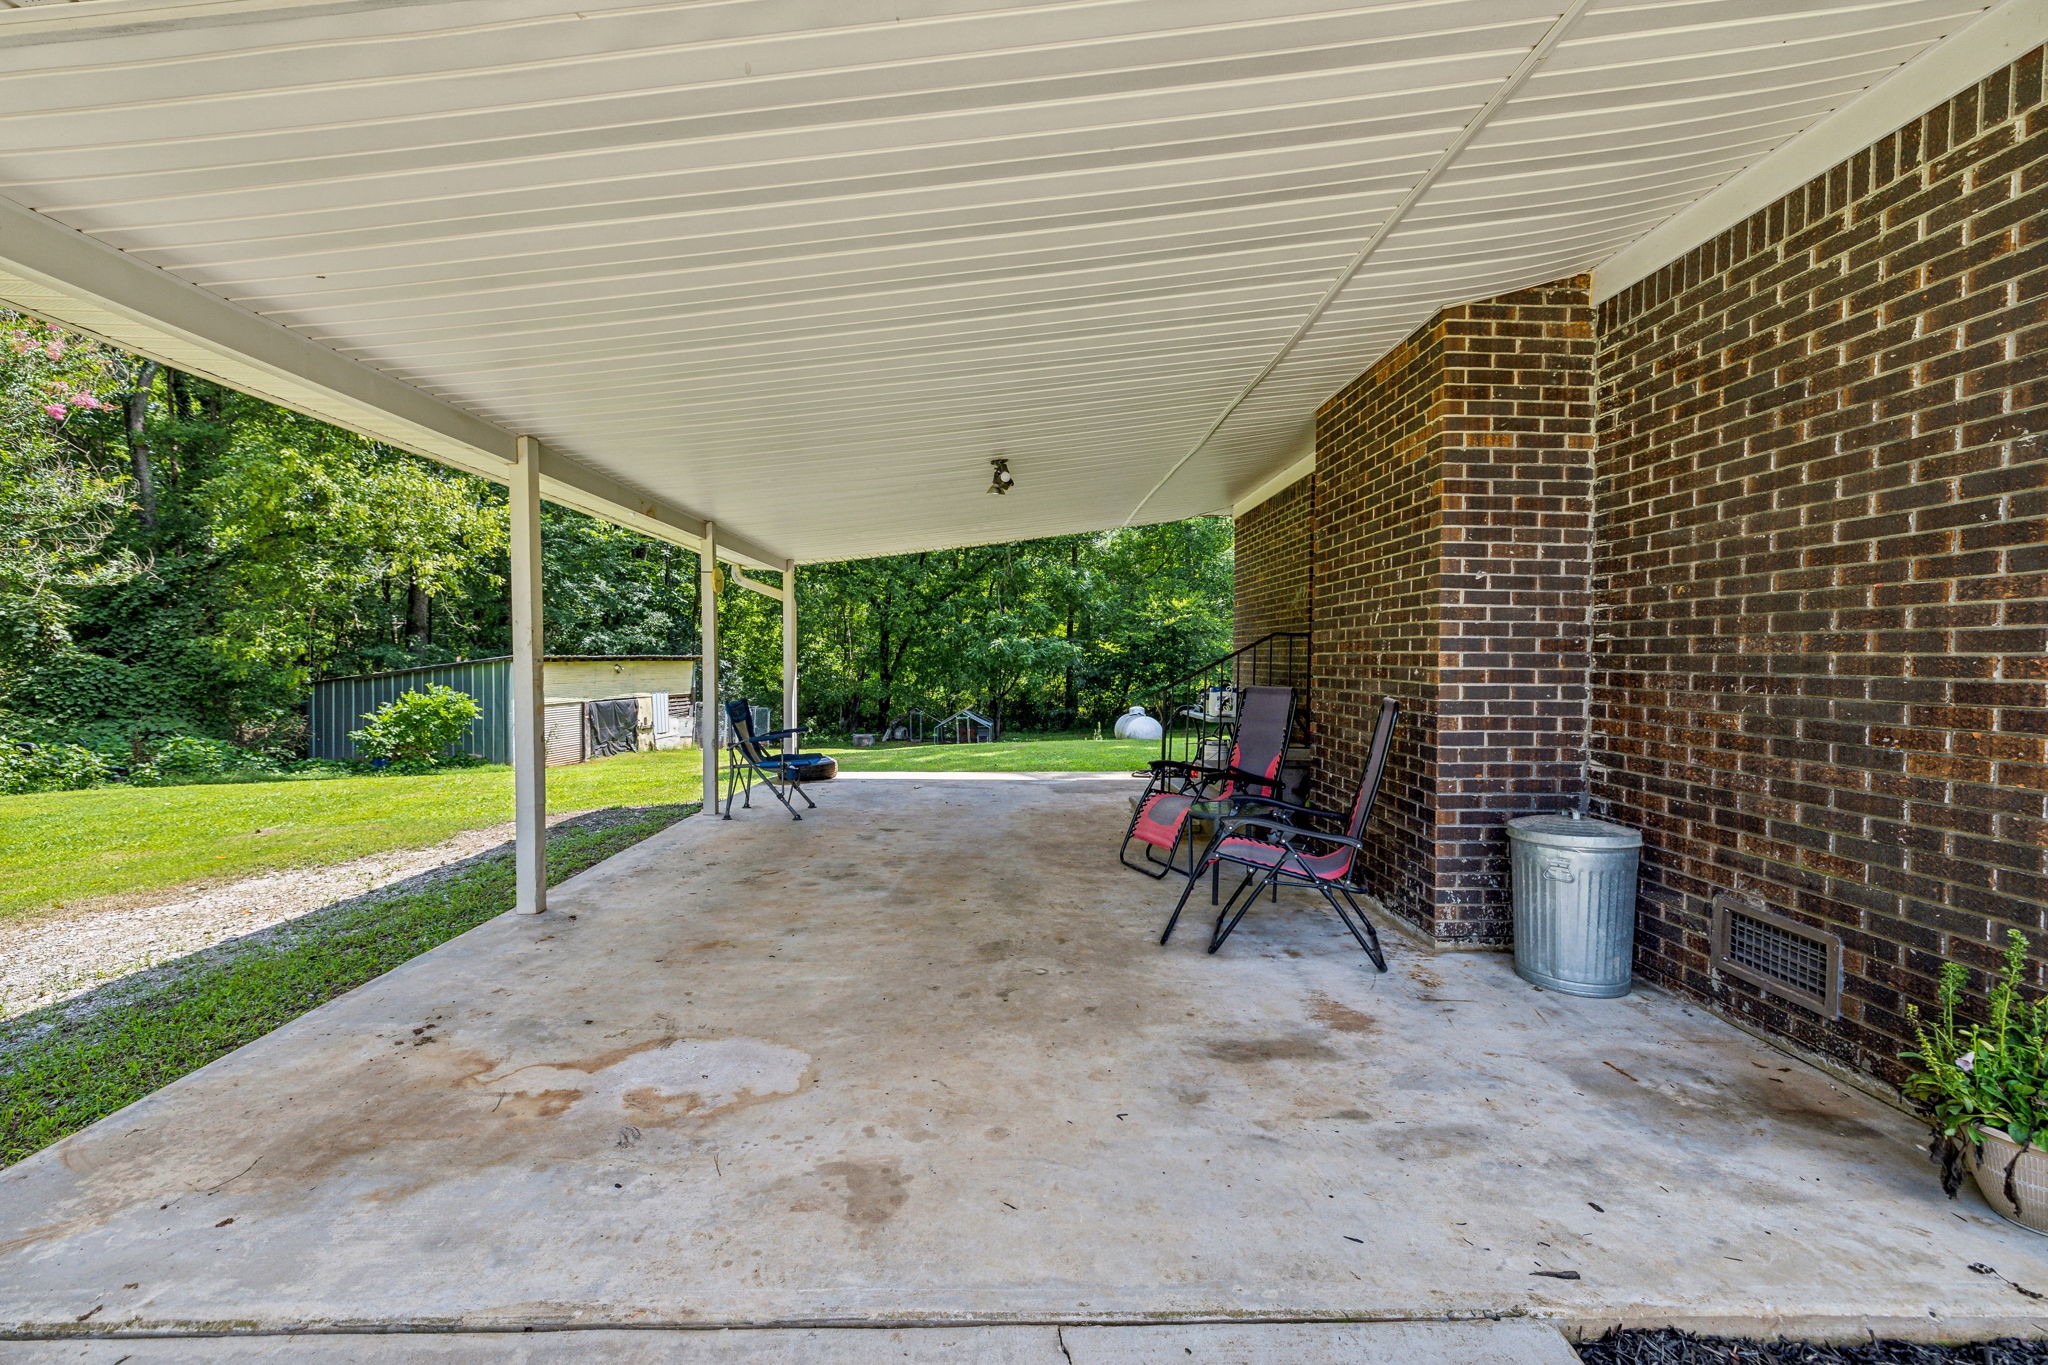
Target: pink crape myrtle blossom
57, 411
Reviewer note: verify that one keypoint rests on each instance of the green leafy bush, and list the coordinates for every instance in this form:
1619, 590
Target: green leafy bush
1971, 1076
416, 729
187, 758
49, 767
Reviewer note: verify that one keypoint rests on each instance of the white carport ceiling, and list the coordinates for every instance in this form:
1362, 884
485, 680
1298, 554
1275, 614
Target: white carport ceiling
804, 266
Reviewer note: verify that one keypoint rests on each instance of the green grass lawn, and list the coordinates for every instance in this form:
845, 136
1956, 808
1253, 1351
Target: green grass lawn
1053, 755
63, 1067
66, 848
60, 848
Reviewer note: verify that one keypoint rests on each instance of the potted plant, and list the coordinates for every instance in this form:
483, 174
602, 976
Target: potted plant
1984, 1088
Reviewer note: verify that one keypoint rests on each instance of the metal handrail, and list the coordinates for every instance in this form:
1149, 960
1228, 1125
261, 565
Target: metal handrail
1249, 665
1262, 643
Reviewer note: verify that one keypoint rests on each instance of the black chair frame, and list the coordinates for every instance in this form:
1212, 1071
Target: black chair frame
1175, 777
1280, 823
747, 757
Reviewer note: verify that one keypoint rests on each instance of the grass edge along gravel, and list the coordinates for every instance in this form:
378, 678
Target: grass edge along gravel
71, 1064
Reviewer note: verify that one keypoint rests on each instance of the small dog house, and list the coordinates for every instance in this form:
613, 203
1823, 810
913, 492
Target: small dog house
964, 727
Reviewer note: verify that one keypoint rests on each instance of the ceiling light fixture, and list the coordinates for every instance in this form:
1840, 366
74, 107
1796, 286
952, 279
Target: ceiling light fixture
1002, 481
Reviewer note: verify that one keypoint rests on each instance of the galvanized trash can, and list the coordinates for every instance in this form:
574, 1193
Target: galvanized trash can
1574, 884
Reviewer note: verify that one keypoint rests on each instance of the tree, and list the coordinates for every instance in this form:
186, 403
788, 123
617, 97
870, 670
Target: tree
180, 559
1056, 632
317, 530
57, 506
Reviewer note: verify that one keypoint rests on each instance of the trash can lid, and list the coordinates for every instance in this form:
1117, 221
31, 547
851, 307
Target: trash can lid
1565, 830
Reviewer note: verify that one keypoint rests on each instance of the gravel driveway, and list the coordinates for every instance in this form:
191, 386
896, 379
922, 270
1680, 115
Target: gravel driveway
46, 959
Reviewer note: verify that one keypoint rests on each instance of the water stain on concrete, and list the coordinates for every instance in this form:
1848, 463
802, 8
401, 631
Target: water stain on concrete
422, 1101
1248, 1051
875, 1190
590, 1065
695, 1221
543, 1104
666, 1080
1338, 1017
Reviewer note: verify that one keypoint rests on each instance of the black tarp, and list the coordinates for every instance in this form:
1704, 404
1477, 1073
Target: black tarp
614, 726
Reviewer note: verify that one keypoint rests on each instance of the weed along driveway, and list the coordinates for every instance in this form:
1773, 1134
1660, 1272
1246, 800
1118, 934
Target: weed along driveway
920, 1059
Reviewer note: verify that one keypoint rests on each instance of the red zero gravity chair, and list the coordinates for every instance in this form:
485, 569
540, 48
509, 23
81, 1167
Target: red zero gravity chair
1270, 840
1180, 791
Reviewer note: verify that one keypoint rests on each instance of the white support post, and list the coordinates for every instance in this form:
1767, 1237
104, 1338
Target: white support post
529, 697
707, 664
789, 721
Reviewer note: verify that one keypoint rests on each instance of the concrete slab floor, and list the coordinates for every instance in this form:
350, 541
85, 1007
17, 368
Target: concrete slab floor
1372, 1343
919, 1060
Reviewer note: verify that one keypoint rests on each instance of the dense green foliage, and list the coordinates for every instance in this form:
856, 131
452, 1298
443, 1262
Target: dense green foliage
1059, 633
179, 559
417, 728
62, 1068
189, 758
50, 768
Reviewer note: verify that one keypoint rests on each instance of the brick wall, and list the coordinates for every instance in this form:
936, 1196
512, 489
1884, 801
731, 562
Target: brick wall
1452, 563
1798, 632
1275, 544
1517, 470
1822, 567
1377, 608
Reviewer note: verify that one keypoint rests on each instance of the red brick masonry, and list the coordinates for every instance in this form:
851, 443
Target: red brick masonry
1822, 567
1757, 557
1274, 544
1452, 570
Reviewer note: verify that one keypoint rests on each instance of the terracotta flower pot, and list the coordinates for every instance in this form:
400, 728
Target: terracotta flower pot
1999, 1166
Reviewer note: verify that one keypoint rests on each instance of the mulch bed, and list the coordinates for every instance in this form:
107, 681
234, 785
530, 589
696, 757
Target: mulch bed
1683, 1348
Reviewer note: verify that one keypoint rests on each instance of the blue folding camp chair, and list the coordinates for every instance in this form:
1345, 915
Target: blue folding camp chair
748, 757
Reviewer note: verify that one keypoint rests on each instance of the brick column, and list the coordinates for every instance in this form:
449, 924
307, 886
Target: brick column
1453, 570
1275, 563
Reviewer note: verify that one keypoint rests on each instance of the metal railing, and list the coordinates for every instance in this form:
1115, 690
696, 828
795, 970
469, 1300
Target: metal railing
1282, 658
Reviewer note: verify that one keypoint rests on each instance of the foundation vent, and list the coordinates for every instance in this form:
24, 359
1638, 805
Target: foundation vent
1792, 961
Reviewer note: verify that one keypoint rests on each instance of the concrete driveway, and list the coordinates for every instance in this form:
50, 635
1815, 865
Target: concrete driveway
920, 1061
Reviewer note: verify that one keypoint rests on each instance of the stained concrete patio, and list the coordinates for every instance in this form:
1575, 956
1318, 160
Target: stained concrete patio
919, 1060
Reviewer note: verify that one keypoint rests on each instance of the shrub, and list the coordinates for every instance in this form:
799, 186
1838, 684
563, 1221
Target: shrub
415, 729
186, 758
49, 767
